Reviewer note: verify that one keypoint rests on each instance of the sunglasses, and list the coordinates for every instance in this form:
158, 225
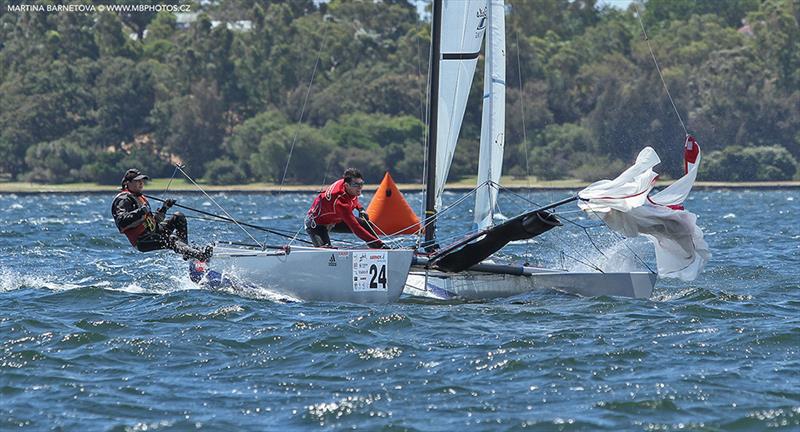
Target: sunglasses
357, 184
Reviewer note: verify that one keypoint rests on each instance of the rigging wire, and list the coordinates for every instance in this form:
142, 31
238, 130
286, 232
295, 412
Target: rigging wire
524, 129
175, 171
658, 68
217, 204
522, 109
623, 238
303, 109
564, 243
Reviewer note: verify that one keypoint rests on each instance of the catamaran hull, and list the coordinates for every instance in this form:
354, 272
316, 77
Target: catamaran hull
472, 285
312, 274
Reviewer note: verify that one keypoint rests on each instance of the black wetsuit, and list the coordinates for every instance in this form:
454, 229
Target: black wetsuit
148, 231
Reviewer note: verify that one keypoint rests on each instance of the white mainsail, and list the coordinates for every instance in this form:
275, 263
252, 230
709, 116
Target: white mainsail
490, 163
465, 23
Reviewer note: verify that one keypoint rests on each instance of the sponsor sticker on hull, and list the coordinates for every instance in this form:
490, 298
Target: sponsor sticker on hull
370, 272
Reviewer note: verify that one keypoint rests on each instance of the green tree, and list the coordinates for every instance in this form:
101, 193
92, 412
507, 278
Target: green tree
224, 171
308, 148
246, 138
124, 95
192, 126
56, 161
777, 38
110, 38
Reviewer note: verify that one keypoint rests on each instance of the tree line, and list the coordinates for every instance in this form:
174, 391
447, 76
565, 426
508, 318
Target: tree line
87, 95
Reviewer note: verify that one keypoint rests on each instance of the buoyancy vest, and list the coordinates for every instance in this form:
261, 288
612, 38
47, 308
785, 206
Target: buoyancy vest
146, 223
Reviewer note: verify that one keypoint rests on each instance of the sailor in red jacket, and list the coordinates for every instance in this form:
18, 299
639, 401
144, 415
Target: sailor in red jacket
335, 204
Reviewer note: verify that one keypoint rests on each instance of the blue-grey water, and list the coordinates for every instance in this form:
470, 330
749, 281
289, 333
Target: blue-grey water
96, 336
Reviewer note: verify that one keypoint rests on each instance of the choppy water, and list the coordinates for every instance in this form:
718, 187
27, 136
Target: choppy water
95, 336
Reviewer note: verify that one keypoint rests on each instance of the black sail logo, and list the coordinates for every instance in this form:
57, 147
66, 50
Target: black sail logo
482, 17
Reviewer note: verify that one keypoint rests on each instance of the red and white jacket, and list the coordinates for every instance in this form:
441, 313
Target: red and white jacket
334, 205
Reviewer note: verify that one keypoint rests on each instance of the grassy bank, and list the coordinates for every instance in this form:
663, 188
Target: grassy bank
159, 185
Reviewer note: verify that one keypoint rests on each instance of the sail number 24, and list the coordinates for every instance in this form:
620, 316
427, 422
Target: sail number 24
379, 275
369, 271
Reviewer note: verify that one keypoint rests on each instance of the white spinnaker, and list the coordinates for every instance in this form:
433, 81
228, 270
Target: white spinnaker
463, 25
493, 122
625, 207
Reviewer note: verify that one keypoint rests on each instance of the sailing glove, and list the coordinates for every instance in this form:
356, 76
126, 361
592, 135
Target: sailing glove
169, 203
362, 214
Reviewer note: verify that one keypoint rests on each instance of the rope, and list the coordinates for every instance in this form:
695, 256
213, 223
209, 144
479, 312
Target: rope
303, 109
430, 219
658, 68
522, 109
220, 207
175, 171
217, 218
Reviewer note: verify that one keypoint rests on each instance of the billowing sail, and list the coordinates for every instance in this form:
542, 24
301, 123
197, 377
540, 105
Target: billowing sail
490, 163
624, 204
463, 23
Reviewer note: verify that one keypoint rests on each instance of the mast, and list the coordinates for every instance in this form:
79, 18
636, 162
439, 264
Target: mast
433, 114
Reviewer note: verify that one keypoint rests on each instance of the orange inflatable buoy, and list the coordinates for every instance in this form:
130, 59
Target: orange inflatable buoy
390, 212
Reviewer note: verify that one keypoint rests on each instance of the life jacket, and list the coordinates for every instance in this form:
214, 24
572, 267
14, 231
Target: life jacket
146, 223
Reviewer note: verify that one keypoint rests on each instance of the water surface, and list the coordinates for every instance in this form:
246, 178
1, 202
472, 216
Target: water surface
96, 336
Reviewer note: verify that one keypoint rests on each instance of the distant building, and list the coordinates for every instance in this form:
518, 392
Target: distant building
237, 26
184, 20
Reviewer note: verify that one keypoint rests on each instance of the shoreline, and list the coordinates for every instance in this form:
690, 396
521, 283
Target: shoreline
463, 186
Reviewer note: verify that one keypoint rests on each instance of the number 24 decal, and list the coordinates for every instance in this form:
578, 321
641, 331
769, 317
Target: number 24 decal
379, 275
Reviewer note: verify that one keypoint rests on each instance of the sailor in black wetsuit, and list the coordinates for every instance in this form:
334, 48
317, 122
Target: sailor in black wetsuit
148, 231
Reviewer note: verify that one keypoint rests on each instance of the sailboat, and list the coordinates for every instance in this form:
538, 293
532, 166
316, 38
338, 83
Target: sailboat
460, 270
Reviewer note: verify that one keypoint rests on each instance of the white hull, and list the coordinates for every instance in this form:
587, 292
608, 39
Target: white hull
471, 285
316, 274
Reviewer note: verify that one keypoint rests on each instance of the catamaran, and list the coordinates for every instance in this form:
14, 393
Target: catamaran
461, 270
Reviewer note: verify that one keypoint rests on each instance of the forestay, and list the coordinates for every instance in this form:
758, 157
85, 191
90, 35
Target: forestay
465, 21
490, 163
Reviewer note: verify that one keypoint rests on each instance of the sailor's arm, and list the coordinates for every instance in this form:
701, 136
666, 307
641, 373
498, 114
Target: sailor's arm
350, 220
161, 214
